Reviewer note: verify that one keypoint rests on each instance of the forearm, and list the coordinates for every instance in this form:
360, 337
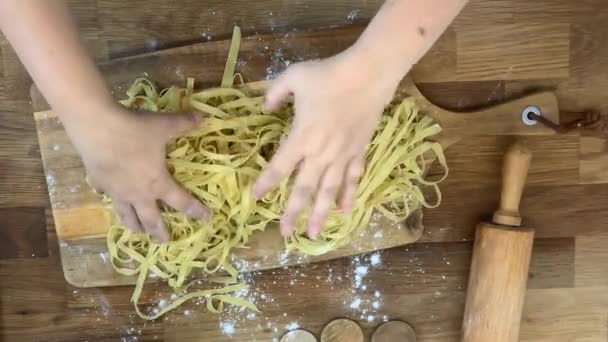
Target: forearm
46, 39
403, 31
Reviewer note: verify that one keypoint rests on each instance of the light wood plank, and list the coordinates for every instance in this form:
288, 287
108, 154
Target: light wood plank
513, 51
573, 315
591, 268
593, 160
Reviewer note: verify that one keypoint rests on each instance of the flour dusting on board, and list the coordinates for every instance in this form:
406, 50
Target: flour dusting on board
353, 15
354, 284
365, 302
278, 63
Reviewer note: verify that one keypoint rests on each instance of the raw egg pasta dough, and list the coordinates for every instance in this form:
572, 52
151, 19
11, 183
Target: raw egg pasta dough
219, 162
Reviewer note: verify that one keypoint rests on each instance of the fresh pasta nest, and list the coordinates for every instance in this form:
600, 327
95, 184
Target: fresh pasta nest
219, 163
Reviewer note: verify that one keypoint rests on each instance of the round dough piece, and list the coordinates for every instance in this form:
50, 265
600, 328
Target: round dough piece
342, 330
394, 331
298, 336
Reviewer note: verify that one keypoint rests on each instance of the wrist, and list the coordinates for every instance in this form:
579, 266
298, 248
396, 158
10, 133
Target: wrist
90, 113
366, 65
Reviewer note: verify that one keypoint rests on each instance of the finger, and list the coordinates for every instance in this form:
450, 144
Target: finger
279, 90
325, 198
175, 124
94, 185
282, 165
127, 216
179, 199
306, 183
152, 221
350, 183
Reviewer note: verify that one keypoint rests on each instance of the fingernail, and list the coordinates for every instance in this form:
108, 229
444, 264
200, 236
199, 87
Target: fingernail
197, 118
313, 231
199, 212
257, 194
286, 231
348, 209
286, 228
163, 235
267, 105
208, 215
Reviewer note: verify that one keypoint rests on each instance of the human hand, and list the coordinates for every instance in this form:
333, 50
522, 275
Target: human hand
124, 154
338, 102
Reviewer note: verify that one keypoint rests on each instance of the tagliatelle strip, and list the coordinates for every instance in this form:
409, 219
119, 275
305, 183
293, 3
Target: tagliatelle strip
219, 162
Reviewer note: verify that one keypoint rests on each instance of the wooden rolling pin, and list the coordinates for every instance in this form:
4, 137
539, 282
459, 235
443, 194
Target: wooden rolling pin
501, 259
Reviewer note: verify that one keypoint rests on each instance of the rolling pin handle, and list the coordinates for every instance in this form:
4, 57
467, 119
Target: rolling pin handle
514, 173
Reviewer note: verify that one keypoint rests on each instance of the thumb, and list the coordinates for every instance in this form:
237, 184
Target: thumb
179, 123
278, 91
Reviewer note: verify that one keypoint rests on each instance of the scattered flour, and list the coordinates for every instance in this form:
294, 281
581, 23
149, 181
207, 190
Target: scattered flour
360, 272
292, 326
377, 304
278, 63
366, 301
227, 328
375, 259
353, 15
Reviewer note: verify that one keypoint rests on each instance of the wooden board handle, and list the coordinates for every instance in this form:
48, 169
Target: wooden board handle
503, 119
514, 172
500, 119
497, 284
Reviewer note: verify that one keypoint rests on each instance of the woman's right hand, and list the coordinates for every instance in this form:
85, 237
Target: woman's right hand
124, 154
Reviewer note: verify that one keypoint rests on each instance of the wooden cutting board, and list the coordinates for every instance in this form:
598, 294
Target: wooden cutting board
79, 218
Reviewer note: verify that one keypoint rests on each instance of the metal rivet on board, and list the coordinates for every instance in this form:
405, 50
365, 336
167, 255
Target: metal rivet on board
525, 117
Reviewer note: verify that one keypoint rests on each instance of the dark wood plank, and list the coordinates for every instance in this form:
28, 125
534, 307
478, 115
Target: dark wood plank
464, 96
21, 174
591, 267
16, 81
554, 211
552, 264
23, 233
327, 289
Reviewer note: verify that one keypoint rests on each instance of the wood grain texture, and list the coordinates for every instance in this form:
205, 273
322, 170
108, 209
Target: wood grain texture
591, 260
464, 96
501, 260
79, 214
515, 166
527, 51
587, 71
433, 274
37, 304
21, 169
23, 233
562, 220
593, 160
497, 283
16, 81
584, 310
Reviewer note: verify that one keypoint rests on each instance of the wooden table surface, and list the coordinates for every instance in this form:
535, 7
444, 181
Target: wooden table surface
424, 283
